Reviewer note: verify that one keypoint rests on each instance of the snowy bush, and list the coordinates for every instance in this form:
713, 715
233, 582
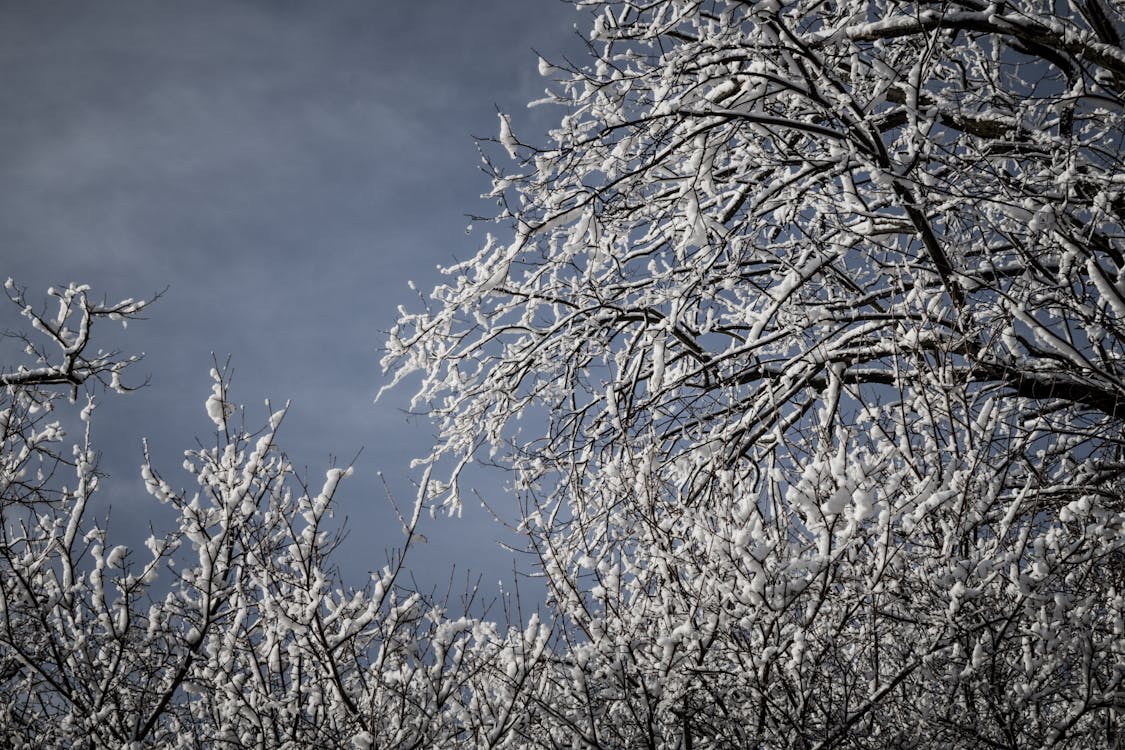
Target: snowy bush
232, 627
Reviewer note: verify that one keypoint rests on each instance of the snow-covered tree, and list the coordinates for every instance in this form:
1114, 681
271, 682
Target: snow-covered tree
232, 628
807, 356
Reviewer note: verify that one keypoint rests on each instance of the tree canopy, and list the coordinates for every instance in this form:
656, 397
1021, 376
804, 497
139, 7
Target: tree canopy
807, 359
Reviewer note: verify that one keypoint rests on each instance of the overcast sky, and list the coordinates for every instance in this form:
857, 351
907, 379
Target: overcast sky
283, 168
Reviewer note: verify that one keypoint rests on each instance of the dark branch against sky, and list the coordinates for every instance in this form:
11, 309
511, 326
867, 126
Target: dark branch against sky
283, 169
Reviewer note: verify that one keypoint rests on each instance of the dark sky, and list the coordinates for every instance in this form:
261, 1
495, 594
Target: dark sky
283, 168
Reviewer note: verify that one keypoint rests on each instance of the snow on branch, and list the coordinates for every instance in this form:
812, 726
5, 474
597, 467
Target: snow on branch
60, 351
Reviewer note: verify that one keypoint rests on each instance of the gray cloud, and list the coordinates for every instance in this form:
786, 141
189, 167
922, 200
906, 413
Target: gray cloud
284, 168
